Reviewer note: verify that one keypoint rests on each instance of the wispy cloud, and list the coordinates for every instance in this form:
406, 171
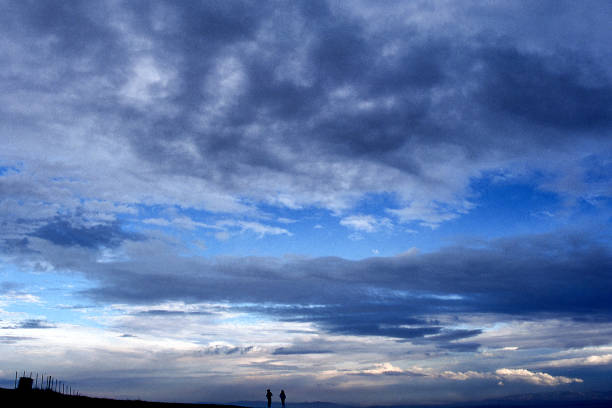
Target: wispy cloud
604, 359
366, 223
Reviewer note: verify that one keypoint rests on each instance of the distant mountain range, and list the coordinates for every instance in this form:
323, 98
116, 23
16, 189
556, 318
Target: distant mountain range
561, 399
275, 404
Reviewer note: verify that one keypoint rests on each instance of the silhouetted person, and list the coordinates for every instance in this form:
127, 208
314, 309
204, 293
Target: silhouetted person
269, 397
282, 397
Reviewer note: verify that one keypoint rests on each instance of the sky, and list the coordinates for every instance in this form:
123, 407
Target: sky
361, 202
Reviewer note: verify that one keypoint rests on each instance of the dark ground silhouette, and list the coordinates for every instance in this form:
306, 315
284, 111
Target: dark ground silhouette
41, 398
16, 398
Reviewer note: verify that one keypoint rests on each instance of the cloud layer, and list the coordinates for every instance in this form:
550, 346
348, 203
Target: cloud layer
308, 104
193, 185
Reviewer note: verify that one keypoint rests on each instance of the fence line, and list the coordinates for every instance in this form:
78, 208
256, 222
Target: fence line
51, 384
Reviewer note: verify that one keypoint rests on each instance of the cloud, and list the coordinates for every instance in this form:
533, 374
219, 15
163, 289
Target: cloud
163, 312
466, 375
536, 378
460, 347
285, 220
15, 245
231, 227
162, 222
222, 236
14, 339
180, 222
366, 223
297, 350
547, 91
409, 252
369, 297
255, 227
390, 369
430, 214
231, 119
224, 350
12, 296
64, 233
500, 375
451, 335
595, 360
34, 324
341, 106
556, 332
9, 287
271, 366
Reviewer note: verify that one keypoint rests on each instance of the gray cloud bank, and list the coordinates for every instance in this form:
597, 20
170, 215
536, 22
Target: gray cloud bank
221, 105
405, 297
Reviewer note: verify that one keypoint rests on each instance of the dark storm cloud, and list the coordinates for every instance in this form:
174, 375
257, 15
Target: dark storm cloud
78, 27
64, 233
556, 275
340, 54
304, 99
557, 92
566, 95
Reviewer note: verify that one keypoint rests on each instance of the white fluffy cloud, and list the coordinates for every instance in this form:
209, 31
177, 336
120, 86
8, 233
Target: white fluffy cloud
536, 378
500, 375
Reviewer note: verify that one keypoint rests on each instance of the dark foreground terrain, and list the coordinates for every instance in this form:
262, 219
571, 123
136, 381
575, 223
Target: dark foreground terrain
40, 398
16, 398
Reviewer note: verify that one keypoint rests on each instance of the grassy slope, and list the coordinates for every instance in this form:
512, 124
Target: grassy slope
14, 398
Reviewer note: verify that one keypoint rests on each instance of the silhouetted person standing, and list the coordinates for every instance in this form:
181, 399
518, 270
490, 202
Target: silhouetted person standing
282, 397
269, 397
